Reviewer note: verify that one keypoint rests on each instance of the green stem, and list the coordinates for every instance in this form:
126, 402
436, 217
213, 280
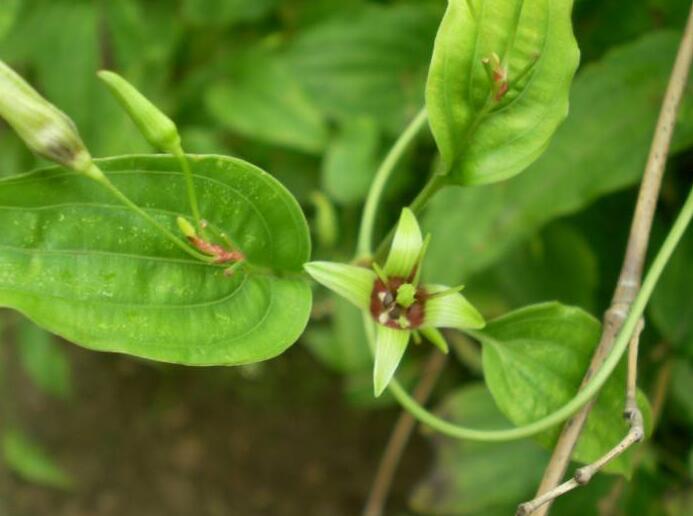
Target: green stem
420, 201
381, 177
597, 381
192, 197
103, 180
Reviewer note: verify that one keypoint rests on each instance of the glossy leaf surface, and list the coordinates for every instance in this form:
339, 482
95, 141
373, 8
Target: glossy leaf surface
615, 100
534, 360
80, 265
482, 137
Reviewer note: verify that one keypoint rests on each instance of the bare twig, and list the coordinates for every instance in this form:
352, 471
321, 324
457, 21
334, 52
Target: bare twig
635, 434
399, 438
608, 504
631, 272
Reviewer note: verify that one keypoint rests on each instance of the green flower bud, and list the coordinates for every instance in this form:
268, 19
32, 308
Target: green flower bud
156, 127
186, 228
45, 129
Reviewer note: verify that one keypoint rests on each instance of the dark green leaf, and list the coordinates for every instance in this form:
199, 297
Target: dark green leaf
534, 360
261, 99
31, 462
44, 361
8, 15
601, 148
556, 264
483, 136
671, 308
351, 160
225, 12
80, 265
370, 62
478, 478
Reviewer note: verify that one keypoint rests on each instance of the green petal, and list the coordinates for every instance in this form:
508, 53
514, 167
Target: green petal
406, 246
436, 338
352, 283
451, 311
390, 345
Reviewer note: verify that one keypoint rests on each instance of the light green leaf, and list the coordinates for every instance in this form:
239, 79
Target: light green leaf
484, 137
464, 471
351, 160
261, 99
671, 308
81, 266
369, 62
31, 462
44, 361
534, 360
616, 101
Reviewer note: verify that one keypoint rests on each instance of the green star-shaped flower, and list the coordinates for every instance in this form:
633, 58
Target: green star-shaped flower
396, 301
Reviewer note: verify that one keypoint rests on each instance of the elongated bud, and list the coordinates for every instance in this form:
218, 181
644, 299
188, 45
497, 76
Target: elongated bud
156, 127
186, 227
45, 129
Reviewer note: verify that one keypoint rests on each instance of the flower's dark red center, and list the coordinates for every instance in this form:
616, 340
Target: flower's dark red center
386, 311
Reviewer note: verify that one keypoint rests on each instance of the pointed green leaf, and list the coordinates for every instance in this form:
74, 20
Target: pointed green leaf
79, 264
483, 138
406, 247
534, 361
450, 311
349, 281
390, 346
31, 462
615, 100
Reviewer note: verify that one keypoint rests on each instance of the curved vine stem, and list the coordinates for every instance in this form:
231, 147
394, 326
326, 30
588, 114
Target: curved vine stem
381, 178
590, 390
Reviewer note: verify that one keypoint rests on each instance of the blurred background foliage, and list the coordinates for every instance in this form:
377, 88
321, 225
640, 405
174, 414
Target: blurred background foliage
315, 91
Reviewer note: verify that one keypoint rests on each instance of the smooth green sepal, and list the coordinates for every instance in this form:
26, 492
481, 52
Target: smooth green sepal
158, 129
406, 247
490, 121
451, 311
390, 346
349, 281
436, 338
45, 129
